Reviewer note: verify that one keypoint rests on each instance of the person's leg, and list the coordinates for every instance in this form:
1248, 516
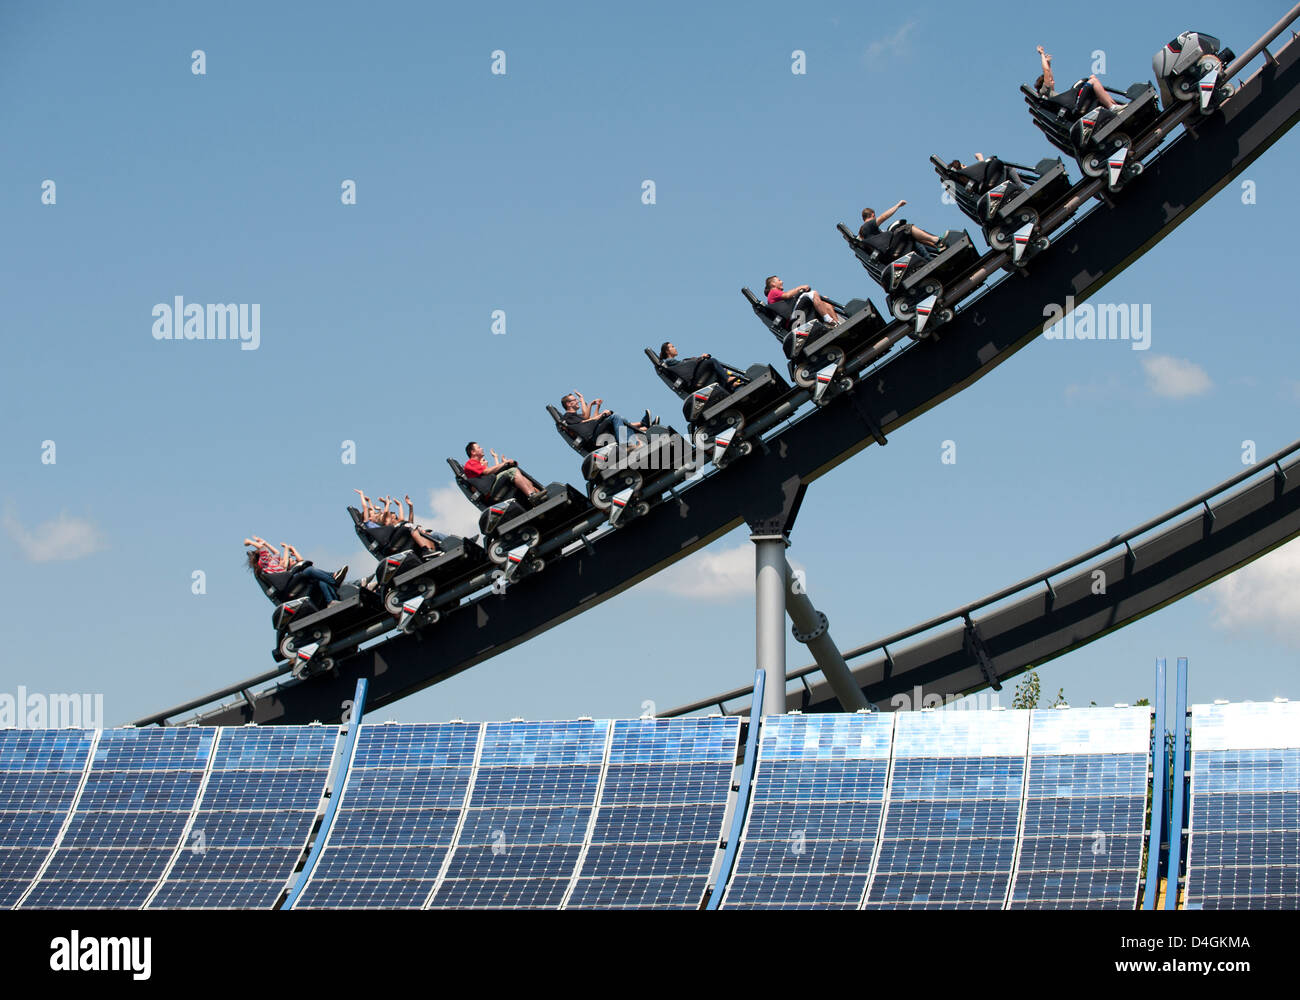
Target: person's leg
825, 310
1106, 100
322, 585
929, 239
522, 483
720, 375
423, 543
627, 432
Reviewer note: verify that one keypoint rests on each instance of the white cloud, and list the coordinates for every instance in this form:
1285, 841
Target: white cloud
1175, 378
720, 575
450, 513
63, 538
894, 45
1262, 596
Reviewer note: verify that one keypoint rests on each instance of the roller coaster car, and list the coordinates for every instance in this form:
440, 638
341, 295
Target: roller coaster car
513, 528
407, 577
716, 414
304, 631
383, 540
1008, 200
1192, 68
817, 351
1100, 139
410, 585
617, 473
915, 283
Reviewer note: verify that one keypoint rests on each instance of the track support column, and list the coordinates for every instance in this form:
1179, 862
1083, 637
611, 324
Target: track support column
770, 516
769, 632
811, 628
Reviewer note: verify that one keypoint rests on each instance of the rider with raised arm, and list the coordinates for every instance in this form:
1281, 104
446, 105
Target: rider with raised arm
1080, 98
587, 421
897, 241
501, 471
263, 560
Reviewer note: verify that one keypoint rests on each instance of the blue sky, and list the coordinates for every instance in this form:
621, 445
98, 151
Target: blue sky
522, 192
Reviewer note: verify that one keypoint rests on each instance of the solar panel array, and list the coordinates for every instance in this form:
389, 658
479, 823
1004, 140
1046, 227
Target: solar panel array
1085, 809
40, 770
129, 820
952, 811
253, 819
815, 814
1244, 822
529, 811
909, 810
660, 818
396, 818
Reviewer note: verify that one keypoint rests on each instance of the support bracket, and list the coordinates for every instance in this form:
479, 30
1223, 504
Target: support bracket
973, 643
774, 512
865, 415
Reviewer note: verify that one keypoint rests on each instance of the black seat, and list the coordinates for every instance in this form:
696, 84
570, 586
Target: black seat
574, 440
479, 489
285, 585
868, 256
381, 540
686, 376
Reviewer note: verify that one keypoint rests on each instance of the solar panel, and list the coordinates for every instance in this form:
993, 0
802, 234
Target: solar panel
397, 816
815, 813
952, 811
1244, 821
529, 810
253, 819
659, 822
1085, 809
133, 810
40, 770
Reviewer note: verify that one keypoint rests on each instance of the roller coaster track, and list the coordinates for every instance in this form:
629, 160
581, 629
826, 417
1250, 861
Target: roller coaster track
986, 331
1056, 613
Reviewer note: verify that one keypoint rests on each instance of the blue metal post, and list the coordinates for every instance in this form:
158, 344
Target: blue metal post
1158, 769
340, 776
742, 796
1179, 783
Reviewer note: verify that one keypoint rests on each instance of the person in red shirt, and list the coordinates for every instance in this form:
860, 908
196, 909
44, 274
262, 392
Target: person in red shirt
807, 300
503, 470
